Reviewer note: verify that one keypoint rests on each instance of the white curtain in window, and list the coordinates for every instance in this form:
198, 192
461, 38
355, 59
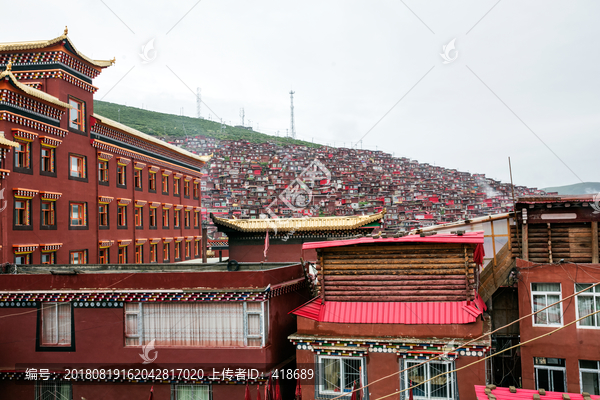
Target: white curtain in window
189, 392
56, 324
194, 324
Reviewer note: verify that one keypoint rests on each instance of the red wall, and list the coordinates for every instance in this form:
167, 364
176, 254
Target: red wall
277, 252
575, 343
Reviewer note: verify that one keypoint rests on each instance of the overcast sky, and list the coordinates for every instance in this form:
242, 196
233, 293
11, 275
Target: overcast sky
520, 69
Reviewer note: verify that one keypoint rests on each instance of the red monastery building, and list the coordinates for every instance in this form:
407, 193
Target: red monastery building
64, 169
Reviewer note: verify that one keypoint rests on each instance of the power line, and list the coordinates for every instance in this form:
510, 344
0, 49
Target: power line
471, 341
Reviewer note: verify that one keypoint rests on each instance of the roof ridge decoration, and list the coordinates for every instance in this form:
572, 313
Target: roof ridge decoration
40, 44
7, 74
117, 125
299, 224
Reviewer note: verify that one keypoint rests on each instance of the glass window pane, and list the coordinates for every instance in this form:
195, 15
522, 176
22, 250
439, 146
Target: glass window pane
416, 376
542, 379
545, 287
585, 305
351, 369
554, 311
539, 302
439, 386
589, 382
331, 375
558, 380
588, 364
581, 286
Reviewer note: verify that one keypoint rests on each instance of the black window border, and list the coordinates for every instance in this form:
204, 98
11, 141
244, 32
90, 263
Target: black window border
184, 213
126, 255
75, 178
117, 176
153, 227
151, 190
178, 194
47, 227
107, 258
107, 226
21, 170
167, 185
179, 224
163, 219
85, 118
150, 254
46, 173
180, 248
38, 332
87, 217
139, 189
199, 189
14, 219
163, 252
141, 216
104, 183
126, 226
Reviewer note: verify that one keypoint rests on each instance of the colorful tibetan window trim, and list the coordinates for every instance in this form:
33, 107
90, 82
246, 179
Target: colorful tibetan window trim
103, 244
46, 248
50, 196
105, 199
104, 156
124, 202
21, 193
125, 242
24, 248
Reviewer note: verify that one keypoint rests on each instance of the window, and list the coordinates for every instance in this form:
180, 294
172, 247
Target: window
48, 220
122, 255
196, 248
153, 252
139, 221
152, 218
78, 216
22, 214
79, 257
23, 259
165, 184
196, 219
196, 191
176, 218
543, 295
186, 189
165, 217
121, 216
186, 218
152, 182
188, 250
550, 374
103, 216
23, 156
103, 256
49, 258
121, 171
190, 392
339, 374
77, 115
137, 179
176, 186
139, 254
166, 252
53, 390
77, 168
589, 376
177, 251
56, 324
48, 161
103, 172
442, 387
587, 303
224, 324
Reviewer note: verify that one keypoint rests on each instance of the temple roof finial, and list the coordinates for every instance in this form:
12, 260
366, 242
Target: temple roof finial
9, 65
66, 31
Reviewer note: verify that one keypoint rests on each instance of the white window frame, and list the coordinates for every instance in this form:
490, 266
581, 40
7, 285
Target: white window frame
320, 393
588, 370
55, 386
536, 368
452, 390
594, 294
174, 387
264, 324
546, 293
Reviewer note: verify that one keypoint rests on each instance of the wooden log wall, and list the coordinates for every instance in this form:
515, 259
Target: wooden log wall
551, 242
398, 272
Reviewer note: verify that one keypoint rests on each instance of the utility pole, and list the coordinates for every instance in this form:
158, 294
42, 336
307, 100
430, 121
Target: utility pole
292, 127
198, 102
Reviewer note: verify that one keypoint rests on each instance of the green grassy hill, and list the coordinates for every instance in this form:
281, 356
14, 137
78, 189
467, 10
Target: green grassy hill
172, 126
578, 188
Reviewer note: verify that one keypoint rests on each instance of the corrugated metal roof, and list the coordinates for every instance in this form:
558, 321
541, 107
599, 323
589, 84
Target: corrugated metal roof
467, 237
408, 313
503, 393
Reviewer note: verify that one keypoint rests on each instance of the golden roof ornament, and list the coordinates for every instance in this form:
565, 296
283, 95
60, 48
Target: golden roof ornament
113, 60
66, 31
9, 65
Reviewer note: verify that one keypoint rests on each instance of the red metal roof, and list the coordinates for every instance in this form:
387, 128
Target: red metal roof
502, 393
408, 313
468, 237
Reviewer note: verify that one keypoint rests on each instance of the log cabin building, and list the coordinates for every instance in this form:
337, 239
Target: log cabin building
386, 304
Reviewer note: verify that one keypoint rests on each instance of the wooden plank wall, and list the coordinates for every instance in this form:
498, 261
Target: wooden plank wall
551, 242
398, 272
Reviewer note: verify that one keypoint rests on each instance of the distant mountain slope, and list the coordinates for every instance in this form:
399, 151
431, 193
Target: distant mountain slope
578, 188
172, 126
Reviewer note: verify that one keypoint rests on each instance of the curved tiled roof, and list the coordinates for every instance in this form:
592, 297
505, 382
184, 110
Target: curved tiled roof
33, 92
40, 44
299, 224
